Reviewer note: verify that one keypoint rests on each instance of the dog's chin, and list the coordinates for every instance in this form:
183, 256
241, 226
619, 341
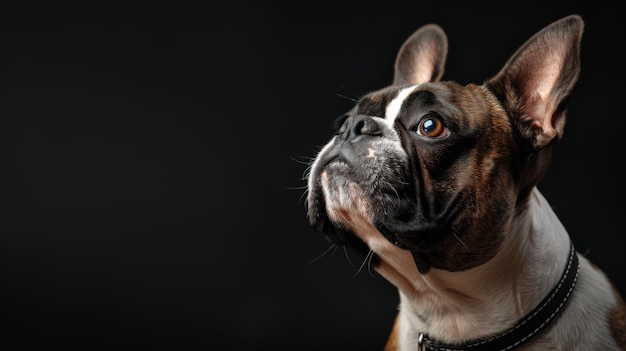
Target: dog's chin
347, 208
362, 206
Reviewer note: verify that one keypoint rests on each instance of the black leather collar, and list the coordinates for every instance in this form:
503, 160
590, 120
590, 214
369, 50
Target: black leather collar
529, 326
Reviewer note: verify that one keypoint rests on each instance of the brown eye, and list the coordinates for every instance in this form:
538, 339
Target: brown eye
432, 127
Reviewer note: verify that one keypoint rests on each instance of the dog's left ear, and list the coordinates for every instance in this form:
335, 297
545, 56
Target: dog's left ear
538, 79
422, 57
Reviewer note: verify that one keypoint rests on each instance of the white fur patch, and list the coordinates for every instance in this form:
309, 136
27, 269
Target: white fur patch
393, 109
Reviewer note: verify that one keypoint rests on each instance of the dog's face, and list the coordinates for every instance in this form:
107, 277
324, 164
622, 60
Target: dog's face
439, 168
414, 161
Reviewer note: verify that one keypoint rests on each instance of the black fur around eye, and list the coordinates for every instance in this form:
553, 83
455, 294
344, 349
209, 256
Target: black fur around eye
432, 126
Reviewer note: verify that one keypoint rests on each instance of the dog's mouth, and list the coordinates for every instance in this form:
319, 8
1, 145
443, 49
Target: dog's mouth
413, 240
343, 195
345, 200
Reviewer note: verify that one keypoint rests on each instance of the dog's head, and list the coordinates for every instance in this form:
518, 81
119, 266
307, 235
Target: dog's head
439, 168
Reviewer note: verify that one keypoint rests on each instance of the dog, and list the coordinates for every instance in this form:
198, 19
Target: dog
435, 183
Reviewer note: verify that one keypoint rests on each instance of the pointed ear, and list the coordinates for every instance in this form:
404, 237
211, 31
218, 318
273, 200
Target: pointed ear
537, 81
422, 57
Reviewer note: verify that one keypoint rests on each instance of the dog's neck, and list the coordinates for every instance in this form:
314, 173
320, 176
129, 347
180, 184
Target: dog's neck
458, 306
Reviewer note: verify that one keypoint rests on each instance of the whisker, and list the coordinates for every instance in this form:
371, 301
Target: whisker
366, 261
345, 250
461, 241
306, 162
332, 247
369, 265
347, 97
303, 187
390, 186
307, 172
303, 195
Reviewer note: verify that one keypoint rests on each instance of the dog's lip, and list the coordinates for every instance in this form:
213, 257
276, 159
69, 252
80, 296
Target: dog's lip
348, 153
317, 216
401, 240
333, 159
321, 223
316, 213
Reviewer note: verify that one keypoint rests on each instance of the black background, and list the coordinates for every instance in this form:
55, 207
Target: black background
152, 158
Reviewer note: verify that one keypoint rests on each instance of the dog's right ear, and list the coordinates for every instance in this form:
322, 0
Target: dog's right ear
534, 87
422, 57
537, 81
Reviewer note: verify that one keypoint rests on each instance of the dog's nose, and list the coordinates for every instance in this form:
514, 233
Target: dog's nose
358, 125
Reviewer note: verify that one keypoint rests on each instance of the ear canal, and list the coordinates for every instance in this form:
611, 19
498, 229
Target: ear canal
422, 57
537, 81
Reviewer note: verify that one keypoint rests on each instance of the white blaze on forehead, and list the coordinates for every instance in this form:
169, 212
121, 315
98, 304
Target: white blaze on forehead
393, 108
